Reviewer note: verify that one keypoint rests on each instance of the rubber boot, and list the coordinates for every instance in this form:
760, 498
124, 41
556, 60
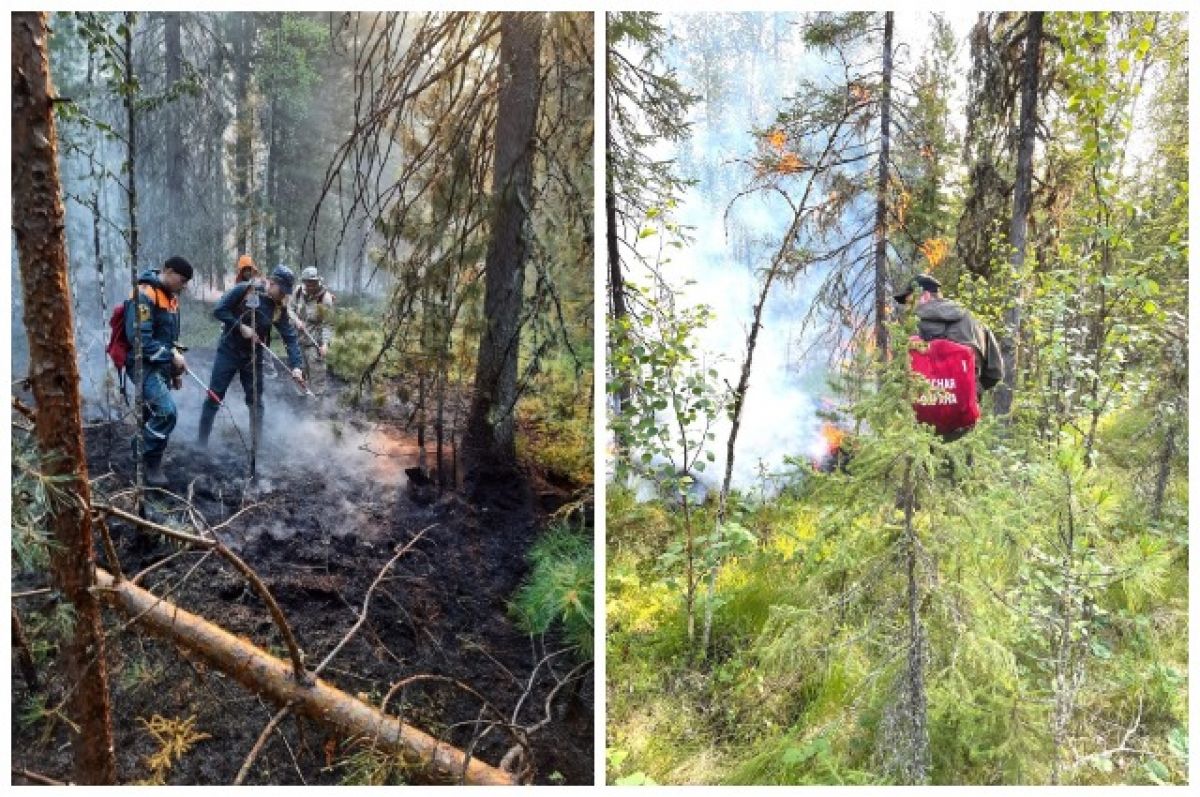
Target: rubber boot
155, 477
207, 416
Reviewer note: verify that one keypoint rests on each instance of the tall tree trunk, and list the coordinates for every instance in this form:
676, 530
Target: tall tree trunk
916, 737
271, 211
174, 135
881, 190
243, 158
489, 439
616, 280
778, 263
1163, 476
132, 207
1022, 201
39, 223
1065, 680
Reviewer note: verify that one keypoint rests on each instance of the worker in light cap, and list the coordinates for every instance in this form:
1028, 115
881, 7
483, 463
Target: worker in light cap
312, 314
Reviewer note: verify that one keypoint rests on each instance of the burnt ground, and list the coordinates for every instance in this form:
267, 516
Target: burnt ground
320, 529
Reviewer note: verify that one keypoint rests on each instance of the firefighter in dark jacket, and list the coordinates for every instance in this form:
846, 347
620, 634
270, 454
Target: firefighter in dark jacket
943, 318
247, 312
156, 324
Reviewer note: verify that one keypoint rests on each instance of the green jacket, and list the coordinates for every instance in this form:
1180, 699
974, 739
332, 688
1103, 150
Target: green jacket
942, 318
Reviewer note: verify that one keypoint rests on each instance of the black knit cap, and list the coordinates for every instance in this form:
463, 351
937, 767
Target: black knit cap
179, 266
922, 282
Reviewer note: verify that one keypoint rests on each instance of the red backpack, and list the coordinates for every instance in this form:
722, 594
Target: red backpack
119, 346
950, 404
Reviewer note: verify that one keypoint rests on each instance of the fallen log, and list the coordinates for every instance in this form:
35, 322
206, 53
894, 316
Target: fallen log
273, 678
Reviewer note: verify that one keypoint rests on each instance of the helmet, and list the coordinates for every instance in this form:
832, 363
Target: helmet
285, 277
244, 261
310, 274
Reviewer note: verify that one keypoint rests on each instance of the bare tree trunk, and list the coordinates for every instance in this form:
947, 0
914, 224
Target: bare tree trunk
1163, 477
489, 442
917, 737
616, 279
422, 463
139, 419
243, 159
174, 135
881, 190
690, 594
39, 223
271, 214
778, 262
1022, 201
1064, 647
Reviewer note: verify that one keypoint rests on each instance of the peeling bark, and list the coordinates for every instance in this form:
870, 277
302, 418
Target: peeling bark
39, 224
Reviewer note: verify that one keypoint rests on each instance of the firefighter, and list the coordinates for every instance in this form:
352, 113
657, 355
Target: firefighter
943, 318
246, 270
312, 308
160, 371
247, 312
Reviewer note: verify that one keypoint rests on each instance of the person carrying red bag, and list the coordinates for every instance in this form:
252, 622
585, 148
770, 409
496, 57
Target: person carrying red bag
956, 354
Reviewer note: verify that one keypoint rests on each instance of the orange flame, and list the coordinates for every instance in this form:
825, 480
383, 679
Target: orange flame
777, 139
790, 163
833, 437
935, 250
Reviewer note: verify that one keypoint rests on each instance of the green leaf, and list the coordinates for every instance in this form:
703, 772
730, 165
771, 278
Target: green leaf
1158, 772
1177, 740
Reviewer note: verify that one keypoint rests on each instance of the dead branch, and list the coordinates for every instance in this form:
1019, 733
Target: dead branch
362, 617
25, 410
39, 779
219, 548
20, 645
32, 593
270, 677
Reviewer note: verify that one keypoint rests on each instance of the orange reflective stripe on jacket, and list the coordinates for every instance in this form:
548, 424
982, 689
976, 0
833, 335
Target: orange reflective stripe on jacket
161, 299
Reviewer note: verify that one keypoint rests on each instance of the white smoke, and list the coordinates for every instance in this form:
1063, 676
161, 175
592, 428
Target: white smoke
721, 266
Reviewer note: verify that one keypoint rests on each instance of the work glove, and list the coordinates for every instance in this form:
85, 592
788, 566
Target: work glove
322, 350
298, 374
178, 364
246, 331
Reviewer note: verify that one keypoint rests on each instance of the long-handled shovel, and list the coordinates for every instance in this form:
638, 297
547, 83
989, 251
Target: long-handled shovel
304, 391
214, 397
312, 340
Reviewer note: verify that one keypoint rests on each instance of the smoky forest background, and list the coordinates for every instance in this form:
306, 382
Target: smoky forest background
804, 584
396, 585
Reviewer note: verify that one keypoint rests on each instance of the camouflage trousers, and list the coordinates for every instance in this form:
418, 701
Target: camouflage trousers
316, 372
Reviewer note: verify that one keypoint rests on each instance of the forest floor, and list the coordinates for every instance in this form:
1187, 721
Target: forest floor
323, 524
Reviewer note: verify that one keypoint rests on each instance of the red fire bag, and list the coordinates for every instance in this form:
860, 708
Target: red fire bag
950, 404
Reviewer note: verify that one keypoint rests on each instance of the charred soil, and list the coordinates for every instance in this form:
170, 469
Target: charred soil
318, 529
